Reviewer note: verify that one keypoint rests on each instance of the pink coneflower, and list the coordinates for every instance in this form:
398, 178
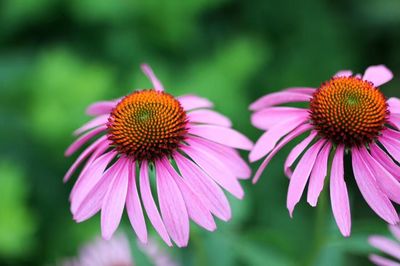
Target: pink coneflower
345, 114
117, 252
189, 148
99, 252
388, 246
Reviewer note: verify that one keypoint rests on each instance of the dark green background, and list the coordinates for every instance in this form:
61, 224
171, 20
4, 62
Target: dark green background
56, 57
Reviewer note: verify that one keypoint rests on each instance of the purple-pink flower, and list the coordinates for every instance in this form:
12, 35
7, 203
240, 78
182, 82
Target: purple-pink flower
388, 246
117, 252
179, 145
346, 115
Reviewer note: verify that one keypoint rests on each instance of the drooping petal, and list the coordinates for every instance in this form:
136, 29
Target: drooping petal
83, 139
91, 201
196, 209
318, 175
296, 151
114, 201
300, 175
339, 195
268, 140
225, 179
91, 177
101, 108
381, 261
388, 184
267, 118
229, 158
222, 135
391, 145
205, 116
394, 105
95, 122
370, 190
191, 102
289, 137
83, 156
133, 206
172, 206
395, 230
384, 159
344, 73
210, 192
277, 98
152, 77
304, 90
378, 75
150, 205
386, 245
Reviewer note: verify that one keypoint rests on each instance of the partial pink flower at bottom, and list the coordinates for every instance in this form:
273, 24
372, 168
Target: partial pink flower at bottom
101, 252
190, 148
388, 246
117, 252
347, 114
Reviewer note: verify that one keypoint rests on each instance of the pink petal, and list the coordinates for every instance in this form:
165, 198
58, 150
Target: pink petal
152, 77
191, 102
388, 184
95, 122
83, 139
296, 151
133, 206
99, 151
225, 136
89, 180
394, 105
172, 206
344, 73
211, 167
210, 192
229, 158
370, 190
391, 145
339, 195
395, 230
268, 140
381, 261
289, 137
318, 175
101, 108
149, 204
394, 119
277, 98
193, 201
205, 116
378, 75
114, 201
386, 245
267, 118
83, 156
301, 174
384, 159
304, 90
93, 199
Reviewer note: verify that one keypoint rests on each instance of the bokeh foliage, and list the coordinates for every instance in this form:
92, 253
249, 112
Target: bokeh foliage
56, 57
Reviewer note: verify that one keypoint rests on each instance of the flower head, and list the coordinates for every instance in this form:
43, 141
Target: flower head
190, 149
387, 246
346, 114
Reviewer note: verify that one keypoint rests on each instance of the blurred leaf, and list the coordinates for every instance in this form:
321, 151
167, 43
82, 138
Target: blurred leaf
17, 222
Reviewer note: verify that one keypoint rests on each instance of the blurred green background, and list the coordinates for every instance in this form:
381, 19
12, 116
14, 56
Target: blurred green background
56, 57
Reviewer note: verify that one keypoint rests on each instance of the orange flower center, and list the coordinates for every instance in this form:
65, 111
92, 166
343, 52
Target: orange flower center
147, 125
348, 110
